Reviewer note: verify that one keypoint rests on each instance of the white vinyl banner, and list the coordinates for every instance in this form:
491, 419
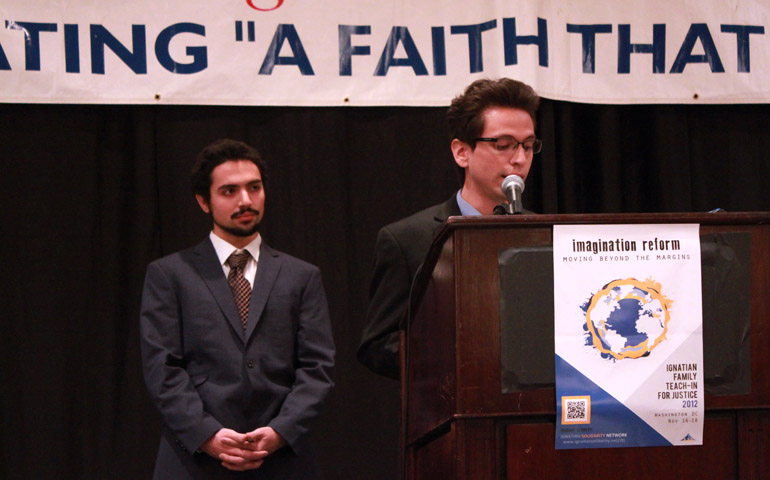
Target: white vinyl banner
375, 52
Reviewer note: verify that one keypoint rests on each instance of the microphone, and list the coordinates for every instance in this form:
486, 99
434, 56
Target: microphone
512, 187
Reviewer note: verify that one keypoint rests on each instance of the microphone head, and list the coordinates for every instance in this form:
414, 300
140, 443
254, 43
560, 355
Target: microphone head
514, 181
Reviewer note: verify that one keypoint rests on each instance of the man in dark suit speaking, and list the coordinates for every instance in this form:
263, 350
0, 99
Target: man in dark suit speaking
236, 342
492, 128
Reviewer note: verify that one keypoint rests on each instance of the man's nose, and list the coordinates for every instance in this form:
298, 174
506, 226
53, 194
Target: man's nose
243, 197
519, 155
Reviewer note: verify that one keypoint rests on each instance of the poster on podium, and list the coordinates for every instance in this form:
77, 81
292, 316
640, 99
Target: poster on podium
628, 335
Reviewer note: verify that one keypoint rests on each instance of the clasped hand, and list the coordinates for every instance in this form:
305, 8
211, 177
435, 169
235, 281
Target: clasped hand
243, 451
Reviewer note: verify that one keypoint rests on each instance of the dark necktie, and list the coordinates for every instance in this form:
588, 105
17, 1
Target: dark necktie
238, 283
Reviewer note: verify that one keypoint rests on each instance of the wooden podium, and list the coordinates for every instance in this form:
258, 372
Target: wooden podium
458, 424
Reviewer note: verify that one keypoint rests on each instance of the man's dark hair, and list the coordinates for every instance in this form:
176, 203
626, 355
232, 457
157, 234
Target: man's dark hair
217, 153
466, 113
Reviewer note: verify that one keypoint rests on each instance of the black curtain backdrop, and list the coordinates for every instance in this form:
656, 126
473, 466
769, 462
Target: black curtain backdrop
93, 193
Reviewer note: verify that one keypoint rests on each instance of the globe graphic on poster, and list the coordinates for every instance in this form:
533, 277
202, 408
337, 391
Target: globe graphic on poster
627, 318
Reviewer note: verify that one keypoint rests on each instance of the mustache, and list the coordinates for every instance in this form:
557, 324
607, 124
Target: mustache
243, 211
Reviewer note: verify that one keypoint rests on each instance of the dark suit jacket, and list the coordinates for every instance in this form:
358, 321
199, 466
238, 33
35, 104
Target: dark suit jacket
400, 250
204, 373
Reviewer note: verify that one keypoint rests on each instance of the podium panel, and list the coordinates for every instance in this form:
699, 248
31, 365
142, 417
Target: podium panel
460, 422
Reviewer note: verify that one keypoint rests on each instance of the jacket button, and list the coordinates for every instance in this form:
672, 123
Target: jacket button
250, 364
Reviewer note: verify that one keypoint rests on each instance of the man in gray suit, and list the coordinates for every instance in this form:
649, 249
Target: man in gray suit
492, 128
236, 342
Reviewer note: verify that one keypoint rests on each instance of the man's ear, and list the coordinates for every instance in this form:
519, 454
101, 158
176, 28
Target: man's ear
461, 152
203, 203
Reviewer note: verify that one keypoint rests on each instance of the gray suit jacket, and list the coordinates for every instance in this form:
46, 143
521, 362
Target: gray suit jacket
400, 250
204, 372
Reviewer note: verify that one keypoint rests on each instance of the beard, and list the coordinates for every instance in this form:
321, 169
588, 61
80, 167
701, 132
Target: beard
239, 231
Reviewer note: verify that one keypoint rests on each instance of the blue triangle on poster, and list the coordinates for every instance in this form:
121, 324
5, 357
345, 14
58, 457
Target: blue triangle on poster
608, 415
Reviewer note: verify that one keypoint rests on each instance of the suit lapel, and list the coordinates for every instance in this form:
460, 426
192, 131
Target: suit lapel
267, 271
207, 263
447, 209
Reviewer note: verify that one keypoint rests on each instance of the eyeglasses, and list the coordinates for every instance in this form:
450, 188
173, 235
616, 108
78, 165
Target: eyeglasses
507, 143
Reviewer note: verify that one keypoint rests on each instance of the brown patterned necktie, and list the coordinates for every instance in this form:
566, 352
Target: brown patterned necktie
238, 283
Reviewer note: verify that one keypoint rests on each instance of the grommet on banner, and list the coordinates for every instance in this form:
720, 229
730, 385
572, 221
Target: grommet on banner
157, 96
695, 96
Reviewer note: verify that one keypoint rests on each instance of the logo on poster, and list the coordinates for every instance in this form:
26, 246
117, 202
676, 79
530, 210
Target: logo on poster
627, 318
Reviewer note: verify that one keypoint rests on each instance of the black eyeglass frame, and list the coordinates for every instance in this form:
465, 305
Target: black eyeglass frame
537, 144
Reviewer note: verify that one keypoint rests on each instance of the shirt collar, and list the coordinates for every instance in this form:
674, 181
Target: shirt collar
224, 249
465, 207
